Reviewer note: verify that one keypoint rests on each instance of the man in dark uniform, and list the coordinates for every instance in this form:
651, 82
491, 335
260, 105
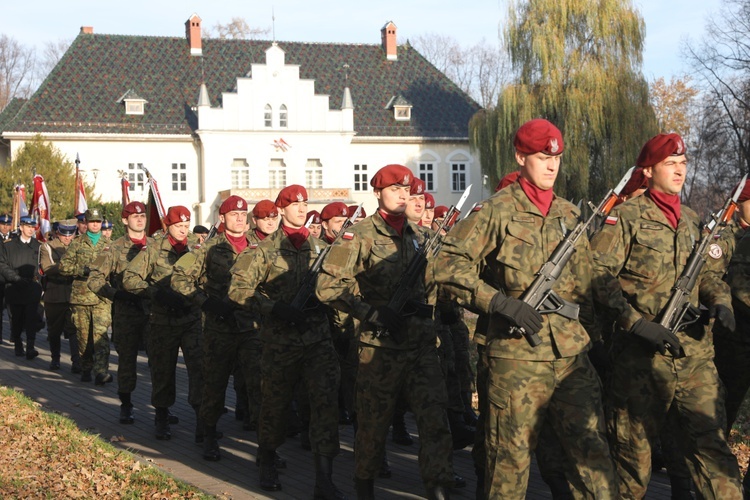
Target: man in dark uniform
19, 266
5, 235
57, 291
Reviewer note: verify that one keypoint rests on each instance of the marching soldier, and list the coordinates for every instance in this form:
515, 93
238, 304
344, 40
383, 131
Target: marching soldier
57, 291
315, 227
296, 345
174, 324
19, 266
129, 316
91, 314
512, 234
638, 255
359, 276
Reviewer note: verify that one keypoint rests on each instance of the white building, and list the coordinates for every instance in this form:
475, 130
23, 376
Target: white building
210, 118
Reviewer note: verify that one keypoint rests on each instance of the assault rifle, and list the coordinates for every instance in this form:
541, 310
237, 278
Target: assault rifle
679, 312
307, 289
212, 231
418, 263
540, 295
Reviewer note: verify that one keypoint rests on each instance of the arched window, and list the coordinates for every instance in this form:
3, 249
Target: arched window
283, 116
268, 116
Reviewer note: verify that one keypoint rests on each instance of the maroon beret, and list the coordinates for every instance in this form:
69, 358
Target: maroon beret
508, 180
429, 201
316, 219
291, 194
232, 204
335, 209
658, 148
265, 208
352, 208
745, 193
637, 181
416, 187
440, 211
134, 207
176, 214
390, 175
539, 136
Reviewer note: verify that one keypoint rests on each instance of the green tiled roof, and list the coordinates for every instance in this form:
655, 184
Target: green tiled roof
10, 111
81, 93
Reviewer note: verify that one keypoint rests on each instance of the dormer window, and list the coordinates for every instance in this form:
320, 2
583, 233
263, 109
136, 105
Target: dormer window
134, 104
401, 108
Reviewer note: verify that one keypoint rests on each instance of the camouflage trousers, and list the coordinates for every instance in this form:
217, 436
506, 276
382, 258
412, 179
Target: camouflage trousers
91, 324
164, 344
282, 367
384, 374
522, 396
643, 387
222, 351
130, 328
461, 346
59, 324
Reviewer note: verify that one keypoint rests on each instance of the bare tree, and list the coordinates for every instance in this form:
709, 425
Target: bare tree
16, 70
53, 52
236, 29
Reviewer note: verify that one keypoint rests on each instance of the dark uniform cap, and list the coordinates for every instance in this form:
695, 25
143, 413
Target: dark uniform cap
316, 219
429, 201
265, 208
93, 215
658, 148
176, 214
440, 211
81, 217
67, 227
416, 187
539, 136
134, 207
353, 208
291, 194
107, 224
508, 180
28, 220
5, 219
232, 204
200, 229
335, 209
390, 175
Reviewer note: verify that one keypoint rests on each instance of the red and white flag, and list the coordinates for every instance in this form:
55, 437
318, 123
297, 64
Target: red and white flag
81, 205
125, 184
40, 208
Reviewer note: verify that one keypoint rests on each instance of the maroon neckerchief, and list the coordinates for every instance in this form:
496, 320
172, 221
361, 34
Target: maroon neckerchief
329, 240
239, 243
260, 234
395, 221
296, 236
179, 246
541, 198
138, 243
669, 204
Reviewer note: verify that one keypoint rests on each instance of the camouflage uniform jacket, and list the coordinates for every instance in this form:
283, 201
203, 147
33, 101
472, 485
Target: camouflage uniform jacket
151, 270
362, 271
81, 254
738, 274
637, 261
206, 273
509, 239
57, 288
273, 271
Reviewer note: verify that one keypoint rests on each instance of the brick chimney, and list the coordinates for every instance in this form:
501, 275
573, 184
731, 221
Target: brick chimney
193, 35
388, 40
87, 30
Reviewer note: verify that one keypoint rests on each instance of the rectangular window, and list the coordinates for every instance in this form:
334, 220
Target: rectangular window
268, 116
361, 182
133, 107
313, 174
458, 177
136, 177
427, 174
240, 174
179, 177
277, 174
282, 117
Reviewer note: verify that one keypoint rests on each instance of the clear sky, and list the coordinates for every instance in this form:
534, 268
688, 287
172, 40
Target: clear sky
668, 22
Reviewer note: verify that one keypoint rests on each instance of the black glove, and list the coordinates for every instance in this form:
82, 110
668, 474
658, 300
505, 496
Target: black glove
658, 336
517, 312
385, 318
170, 299
217, 307
86, 271
127, 297
599, 358
285, 312
723, 315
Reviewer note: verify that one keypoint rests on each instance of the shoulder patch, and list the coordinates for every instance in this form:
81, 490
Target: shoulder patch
252, 246
714, 251
348, 235
611, 220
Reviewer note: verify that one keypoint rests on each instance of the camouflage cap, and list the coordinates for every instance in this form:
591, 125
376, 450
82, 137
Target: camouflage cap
93, 215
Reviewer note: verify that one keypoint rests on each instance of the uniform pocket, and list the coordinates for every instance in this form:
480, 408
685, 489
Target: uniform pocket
498, 397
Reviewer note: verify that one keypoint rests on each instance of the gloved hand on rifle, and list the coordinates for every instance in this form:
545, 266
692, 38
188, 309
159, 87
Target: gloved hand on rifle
385, 318
170, 299
217, 307
285, 312
517, 312
723, 315
658, 336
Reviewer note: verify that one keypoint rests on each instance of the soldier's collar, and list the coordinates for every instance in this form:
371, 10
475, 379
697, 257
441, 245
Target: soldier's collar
650, 211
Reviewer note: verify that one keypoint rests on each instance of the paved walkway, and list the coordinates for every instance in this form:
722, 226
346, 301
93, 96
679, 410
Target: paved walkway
96, 409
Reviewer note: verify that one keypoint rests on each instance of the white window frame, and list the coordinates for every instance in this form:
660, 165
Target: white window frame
240, 174
136, 177
276, 173
424, 173
268, 116
283, 116
361, 178
179, 177
314, 173
460, 173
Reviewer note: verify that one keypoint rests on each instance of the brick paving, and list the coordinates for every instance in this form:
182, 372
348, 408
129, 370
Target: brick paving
96, 410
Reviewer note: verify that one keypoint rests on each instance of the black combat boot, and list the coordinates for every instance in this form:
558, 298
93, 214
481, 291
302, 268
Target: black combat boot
324, 487
86, 376
161, 424
681, 488
400, 435
278, 461
18, 343
54, 364
269, 476
385, 467
436, 492
126, 408
463, 435
365, 488
459, 481
31, 353
211, 444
